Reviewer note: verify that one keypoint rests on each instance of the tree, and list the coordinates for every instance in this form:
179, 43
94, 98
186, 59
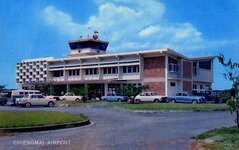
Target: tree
232, 74
82, 91
45, 89
131, 91
2, 87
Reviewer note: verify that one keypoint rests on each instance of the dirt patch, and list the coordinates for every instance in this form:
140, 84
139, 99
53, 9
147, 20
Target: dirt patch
6, 134
200, 145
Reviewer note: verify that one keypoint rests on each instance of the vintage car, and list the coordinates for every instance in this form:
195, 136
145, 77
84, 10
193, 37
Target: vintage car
35, 99
186, 97
70, 97
148, 97
114, 98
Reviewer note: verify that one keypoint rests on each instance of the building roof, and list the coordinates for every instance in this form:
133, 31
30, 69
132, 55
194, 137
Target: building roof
144, 52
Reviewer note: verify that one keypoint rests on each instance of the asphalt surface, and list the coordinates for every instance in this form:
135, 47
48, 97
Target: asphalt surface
119, 129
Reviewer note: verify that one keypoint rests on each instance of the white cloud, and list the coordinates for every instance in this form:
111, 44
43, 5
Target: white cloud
130, 25
62, 21
149, 30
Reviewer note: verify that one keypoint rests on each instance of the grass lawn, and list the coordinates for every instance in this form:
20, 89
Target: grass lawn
149, 106
224, 139
10, 119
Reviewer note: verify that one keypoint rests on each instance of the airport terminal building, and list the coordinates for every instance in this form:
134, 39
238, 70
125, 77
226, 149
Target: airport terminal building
164, 71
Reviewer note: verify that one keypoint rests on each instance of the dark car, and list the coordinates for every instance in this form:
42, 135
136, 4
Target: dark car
3, 100
12, 100
209, 97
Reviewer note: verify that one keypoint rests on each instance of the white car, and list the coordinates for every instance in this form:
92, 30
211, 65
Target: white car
35, 99
70, 97
148, 97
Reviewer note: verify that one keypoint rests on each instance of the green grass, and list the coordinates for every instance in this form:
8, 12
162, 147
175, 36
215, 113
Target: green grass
150, 106
224, 139
10, 119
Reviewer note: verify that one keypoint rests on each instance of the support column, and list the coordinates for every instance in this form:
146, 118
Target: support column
67, 87
106, 88
166, 75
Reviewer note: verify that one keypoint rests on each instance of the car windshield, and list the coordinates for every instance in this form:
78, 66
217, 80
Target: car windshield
153, 94
190, 94
25, 96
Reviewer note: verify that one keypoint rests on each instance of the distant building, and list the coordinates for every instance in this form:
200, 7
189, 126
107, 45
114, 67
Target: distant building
164, 71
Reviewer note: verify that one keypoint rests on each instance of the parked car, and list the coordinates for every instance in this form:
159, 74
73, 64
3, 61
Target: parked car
70, 97
35, 99
3, 100
12, 101
186, 97
148, 97
114, 98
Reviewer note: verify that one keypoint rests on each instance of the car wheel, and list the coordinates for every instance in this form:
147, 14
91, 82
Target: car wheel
28, 104
119, 100
137, 101
64, 99
173, 101
51, 104
77, 99
105, 99
156, 100
194, 102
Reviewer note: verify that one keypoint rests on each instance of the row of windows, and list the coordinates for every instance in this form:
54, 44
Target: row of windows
205, 65
201, 86
92, 71
74, 72
130, 69
110, 70
95, 71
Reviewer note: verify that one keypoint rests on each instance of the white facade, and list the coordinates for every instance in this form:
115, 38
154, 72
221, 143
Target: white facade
165, 70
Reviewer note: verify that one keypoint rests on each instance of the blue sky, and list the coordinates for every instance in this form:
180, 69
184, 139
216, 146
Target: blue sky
33, 28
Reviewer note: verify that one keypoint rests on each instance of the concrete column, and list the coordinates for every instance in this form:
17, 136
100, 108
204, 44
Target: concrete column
67, 87
166, 75
106, 88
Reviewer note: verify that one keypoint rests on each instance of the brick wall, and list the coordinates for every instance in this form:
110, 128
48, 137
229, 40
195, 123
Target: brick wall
187, 69
187, 85
157, 87
154, 67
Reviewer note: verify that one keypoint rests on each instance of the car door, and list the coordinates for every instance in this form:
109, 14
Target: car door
41, 100
33, 100
185, 97
179, 97
147, 97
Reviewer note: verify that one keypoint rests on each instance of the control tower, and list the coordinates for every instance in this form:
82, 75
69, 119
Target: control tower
88, 46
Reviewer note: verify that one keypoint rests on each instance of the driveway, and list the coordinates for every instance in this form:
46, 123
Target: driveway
120, 129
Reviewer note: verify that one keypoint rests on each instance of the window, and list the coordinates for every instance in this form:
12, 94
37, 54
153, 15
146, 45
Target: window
194, 86
172, 65
179, 94
194, 68
201, 86
172, 84
92, 71
148, 94
130, 69
110, 70
105, 71
205, 65
185, 94
58, 73
124, 69
40, 96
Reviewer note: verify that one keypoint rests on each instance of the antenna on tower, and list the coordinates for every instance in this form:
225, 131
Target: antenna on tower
89, 31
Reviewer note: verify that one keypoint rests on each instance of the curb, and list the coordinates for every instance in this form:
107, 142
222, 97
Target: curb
46, 127
175, 111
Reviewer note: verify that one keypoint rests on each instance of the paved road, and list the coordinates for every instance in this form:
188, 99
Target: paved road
121, 129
